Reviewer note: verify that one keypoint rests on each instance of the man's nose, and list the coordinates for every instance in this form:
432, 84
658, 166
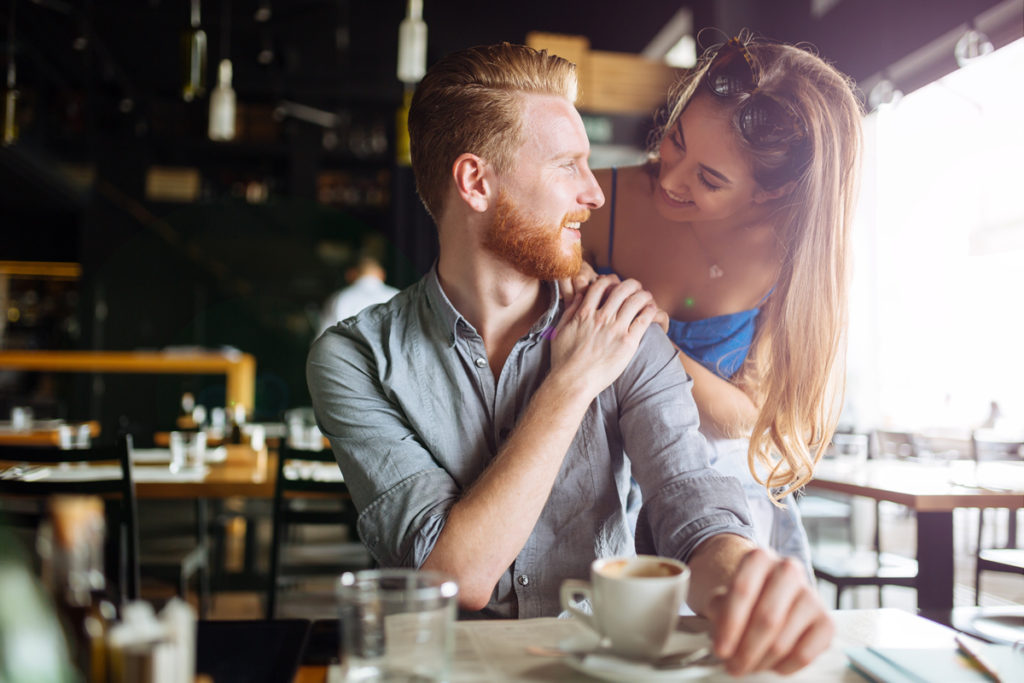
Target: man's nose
591, 196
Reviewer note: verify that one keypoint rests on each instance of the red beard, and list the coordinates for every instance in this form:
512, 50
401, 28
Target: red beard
534, 248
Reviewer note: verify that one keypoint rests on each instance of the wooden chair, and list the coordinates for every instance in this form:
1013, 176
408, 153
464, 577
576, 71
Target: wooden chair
309, 493
850, 567
23, 499
1007, 557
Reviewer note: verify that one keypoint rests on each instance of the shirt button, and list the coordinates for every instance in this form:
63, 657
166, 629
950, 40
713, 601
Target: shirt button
523, 580
481, 362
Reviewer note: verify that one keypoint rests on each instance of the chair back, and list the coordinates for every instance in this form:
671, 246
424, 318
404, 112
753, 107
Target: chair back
892, 444
303, 475
31, 475
992, 445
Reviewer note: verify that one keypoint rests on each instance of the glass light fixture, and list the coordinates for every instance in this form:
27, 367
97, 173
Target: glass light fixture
412, 44
194, 46
884, 93
222, 105
10, 129
972, 45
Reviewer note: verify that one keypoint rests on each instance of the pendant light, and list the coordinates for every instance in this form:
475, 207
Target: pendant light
222, 105
194, 45
221, 125
412, 44
412, 64
10, 132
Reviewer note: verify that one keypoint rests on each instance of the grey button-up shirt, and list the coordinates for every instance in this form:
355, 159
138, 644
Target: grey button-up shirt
414, 414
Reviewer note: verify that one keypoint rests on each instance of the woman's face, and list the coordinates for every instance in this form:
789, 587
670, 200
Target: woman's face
704, 174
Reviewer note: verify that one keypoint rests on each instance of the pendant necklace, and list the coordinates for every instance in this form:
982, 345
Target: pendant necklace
715, 271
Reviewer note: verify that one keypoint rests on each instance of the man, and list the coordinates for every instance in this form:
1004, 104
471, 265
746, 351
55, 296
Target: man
365, 287
482, 430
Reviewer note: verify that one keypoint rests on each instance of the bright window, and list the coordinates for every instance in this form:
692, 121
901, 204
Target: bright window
937, 305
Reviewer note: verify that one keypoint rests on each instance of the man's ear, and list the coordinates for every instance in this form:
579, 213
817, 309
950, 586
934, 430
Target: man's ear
762, 196
473, 181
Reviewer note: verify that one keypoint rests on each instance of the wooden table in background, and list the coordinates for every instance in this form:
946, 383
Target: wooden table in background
49, 436
239, 368
930, 490
245, 473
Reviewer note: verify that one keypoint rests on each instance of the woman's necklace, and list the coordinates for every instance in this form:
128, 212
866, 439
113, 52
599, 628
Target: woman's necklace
715, 271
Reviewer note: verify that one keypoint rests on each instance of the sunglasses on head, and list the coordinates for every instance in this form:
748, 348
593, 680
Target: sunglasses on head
763, 120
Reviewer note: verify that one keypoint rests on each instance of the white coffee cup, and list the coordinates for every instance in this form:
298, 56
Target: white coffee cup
635, 601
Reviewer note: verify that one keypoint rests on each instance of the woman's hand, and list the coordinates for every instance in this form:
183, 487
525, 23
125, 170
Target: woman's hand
600, 331
568, 286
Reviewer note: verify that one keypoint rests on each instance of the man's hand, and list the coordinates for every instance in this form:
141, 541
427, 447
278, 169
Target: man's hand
769, 618
600, 331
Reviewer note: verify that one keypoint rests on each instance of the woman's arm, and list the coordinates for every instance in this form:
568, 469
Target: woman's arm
725, 409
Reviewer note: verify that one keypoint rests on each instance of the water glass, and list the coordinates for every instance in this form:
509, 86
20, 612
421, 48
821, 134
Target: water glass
188, 449
397, 625
21, 418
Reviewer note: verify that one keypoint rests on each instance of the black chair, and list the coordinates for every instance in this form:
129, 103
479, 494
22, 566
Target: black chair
309, 495
826, 511
849, 567
175, 546
24, 493
1006, 557
158, 555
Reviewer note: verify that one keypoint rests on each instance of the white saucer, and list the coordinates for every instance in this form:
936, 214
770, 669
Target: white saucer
610, 667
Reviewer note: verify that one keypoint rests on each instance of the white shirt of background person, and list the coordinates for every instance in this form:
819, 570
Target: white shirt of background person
366, 287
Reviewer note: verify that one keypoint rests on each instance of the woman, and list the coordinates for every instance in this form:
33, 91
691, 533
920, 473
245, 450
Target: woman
738, 225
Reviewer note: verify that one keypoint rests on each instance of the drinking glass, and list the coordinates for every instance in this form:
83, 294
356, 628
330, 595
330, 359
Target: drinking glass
397, 625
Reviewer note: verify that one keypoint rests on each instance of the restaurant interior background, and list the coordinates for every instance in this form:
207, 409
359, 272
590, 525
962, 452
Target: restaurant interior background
188, 242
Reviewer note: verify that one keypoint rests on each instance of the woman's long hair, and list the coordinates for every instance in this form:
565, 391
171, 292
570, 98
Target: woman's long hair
796, 363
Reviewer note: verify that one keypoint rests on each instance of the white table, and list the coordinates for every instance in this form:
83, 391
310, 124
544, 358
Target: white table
494, 650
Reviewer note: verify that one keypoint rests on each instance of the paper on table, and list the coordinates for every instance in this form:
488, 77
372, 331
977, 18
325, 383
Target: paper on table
494, 650
922, 665
104, 472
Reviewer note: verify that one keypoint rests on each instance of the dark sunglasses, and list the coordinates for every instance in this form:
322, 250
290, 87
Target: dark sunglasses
764, 121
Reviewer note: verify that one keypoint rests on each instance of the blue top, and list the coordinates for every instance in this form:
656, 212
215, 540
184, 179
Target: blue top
720, 343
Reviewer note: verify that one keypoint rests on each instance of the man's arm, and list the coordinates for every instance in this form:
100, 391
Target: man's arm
764, 614
488, 527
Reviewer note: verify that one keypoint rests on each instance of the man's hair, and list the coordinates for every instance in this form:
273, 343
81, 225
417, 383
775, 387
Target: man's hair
470, 102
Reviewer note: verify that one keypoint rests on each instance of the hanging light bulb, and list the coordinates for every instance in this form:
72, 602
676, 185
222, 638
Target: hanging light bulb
10, 130
263, 11
972, 45
412, 44
194, 45
222, 105
884, 93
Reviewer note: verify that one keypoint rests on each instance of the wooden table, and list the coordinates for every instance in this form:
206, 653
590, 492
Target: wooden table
245, 473
239, 368
501, 646
930, 489
44, 436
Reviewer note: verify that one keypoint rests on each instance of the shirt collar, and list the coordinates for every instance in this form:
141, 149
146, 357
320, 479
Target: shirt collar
448, 317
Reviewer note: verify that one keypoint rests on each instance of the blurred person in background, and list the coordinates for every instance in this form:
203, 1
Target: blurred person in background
365, 287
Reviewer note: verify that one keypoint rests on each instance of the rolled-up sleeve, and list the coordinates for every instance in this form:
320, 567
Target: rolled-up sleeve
402, 494
686, 501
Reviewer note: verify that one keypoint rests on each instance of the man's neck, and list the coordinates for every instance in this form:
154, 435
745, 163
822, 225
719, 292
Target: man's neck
501, 303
